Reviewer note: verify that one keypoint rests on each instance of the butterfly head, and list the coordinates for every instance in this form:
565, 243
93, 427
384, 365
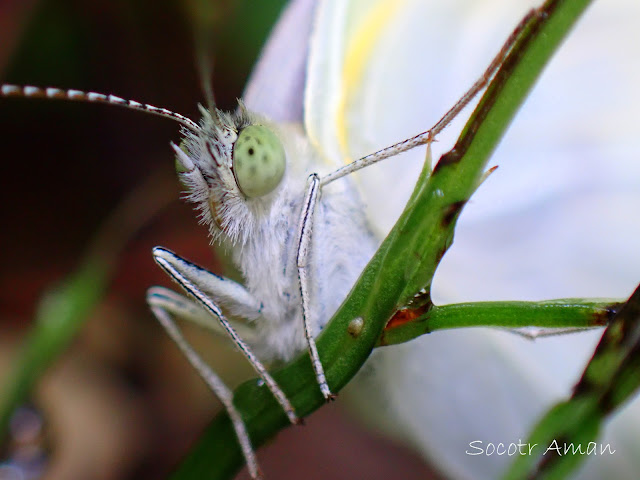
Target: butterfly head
232, 168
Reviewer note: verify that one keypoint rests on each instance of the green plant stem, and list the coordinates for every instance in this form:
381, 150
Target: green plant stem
404, 264
555, 314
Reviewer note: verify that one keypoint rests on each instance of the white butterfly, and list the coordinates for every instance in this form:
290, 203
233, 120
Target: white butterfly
262, 189
374, 114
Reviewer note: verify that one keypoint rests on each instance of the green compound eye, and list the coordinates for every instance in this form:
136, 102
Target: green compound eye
258, 161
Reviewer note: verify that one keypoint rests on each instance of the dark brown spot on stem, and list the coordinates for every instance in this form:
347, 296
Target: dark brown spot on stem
451, 212
452, 157
604, 316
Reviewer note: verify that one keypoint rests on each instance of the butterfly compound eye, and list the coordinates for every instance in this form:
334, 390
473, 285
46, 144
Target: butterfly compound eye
258, 161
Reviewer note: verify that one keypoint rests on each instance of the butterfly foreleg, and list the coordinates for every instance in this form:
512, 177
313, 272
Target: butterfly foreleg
190, 277
302, 260
231, 296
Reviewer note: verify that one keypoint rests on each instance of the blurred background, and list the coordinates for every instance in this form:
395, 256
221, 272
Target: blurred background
122, 402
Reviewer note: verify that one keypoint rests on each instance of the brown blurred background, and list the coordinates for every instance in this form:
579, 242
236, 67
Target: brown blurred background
122, 403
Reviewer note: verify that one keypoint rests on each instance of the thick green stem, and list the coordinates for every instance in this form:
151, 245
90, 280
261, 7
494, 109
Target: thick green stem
404, 264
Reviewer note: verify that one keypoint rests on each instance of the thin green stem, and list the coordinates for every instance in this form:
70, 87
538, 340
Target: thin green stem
561, 313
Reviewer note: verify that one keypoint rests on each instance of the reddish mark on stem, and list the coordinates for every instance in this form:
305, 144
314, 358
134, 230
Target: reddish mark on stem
406, 315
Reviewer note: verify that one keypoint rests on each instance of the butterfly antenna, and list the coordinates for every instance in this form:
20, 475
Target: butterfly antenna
204, 65
205, 69
7, 90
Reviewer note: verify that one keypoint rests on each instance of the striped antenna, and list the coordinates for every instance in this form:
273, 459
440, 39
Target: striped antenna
7, 90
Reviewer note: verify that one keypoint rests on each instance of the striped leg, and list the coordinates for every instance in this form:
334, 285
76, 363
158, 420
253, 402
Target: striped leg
302, 256
224, 394
182, 273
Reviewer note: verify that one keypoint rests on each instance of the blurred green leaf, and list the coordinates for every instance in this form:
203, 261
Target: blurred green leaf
64, 310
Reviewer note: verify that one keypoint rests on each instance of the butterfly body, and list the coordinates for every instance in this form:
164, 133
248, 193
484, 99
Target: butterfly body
262, 233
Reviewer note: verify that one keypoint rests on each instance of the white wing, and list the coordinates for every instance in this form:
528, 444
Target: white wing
373, 71
276, 85
558, 218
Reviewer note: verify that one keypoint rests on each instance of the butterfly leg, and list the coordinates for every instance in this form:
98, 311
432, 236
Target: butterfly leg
226, 293
302, 259
215, 383
429, 136
184, 308
193, 280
